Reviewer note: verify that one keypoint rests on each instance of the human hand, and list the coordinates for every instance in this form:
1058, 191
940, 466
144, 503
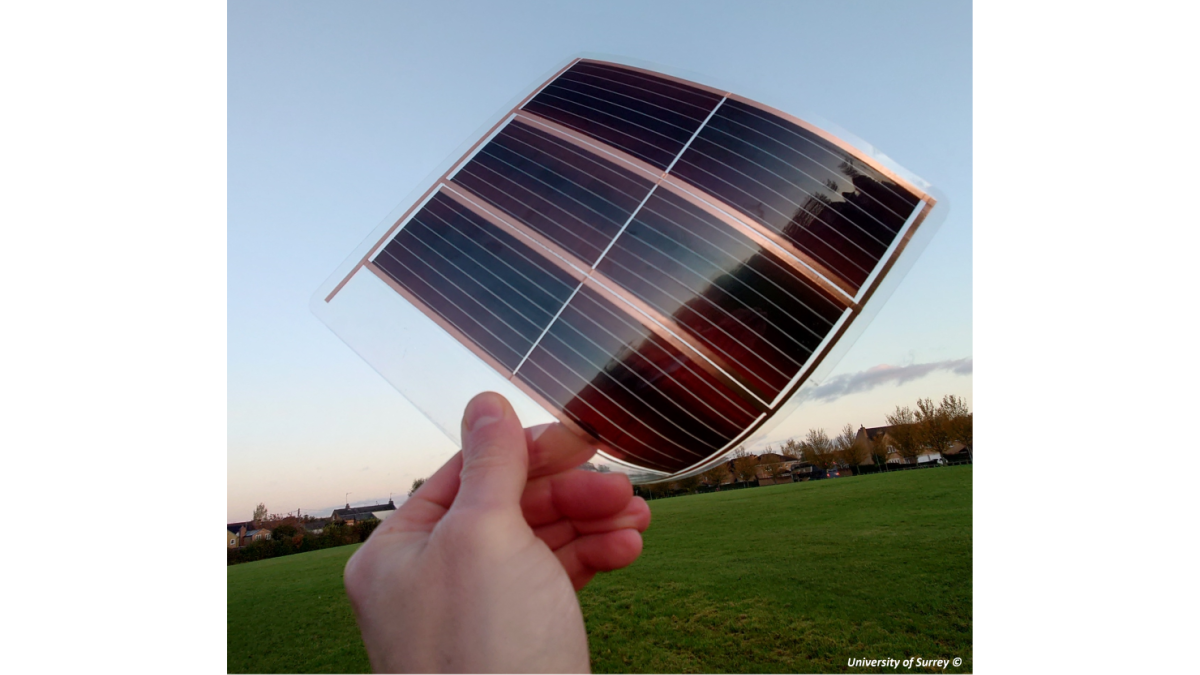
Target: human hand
477, 570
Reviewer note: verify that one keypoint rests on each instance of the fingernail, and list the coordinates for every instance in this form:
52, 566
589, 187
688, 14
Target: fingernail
483, 410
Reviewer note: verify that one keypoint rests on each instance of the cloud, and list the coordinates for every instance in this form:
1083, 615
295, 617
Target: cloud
865, 380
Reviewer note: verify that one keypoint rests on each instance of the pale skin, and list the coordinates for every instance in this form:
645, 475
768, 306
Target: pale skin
478, 570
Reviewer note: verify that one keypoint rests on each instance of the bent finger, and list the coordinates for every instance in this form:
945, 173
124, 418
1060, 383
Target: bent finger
577, 495
635, 516
585, 556
556, 534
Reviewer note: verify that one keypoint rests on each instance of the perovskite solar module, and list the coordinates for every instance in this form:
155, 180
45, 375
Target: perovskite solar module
655, 263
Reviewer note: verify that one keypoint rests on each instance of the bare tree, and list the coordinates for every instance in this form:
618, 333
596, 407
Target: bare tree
932, 428
416, 484
958, 419
904, 433
657, 490
716, 475
744, 465
818, 449
792, 449
689, 484
879, 450
260, 513
852, 450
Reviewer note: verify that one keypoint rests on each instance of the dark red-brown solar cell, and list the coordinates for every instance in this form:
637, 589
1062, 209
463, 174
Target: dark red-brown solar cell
649, 117
740, 300
832, 207
576, 199
631, 388
478, 277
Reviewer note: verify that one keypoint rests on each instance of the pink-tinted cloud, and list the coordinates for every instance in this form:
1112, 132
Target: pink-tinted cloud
853, 383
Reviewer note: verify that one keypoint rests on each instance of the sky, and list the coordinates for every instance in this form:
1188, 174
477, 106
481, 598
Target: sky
336, 112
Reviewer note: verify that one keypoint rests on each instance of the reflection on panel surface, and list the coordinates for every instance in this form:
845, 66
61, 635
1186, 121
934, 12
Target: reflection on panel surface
482, 280
819, 197
649, 117
569, 195
650, 402
739, 300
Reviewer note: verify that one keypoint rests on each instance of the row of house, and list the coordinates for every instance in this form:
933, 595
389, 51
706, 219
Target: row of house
360, 514
238, 535
876, 435
774, 468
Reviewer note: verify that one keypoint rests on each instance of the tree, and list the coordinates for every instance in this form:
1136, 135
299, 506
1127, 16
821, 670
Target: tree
958, 419
777, 470
260, 513
716, 475
792, 449
932, 430
879, 450
336, 533
690, 484
905, 434
416, 484
283, 532
852, 450
818, 449
654, 490
744, 465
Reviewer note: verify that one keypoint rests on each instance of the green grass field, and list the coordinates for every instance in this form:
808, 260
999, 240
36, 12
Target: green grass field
788, 578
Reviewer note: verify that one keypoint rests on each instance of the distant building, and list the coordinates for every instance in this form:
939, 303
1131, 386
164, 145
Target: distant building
316, 526
877, 435
261, 534
359, 514
775, 468
802, 471
240, 534
237, 533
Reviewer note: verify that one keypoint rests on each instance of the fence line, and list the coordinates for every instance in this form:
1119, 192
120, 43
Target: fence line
742, 485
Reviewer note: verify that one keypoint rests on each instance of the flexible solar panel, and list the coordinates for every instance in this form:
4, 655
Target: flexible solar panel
655, 263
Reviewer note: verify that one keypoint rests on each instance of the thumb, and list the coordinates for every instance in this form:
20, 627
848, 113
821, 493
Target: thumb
495, 459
